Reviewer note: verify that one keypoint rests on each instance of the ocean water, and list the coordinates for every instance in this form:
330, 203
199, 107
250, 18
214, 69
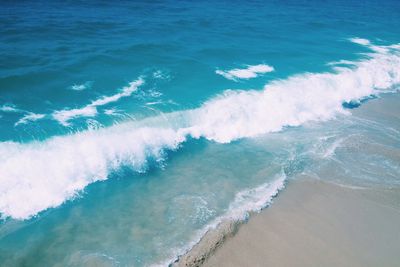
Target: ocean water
128, 129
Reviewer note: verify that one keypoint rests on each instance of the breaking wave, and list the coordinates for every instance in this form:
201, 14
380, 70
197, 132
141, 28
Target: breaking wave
39, 175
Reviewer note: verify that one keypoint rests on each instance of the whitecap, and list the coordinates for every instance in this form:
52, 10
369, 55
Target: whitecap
246, 73
64, 116
81, 87
10, 108
29, 117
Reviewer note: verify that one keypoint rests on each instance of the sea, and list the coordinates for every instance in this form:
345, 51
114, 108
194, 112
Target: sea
128, 129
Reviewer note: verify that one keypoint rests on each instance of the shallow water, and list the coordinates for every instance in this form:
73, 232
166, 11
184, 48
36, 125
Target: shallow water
128, 129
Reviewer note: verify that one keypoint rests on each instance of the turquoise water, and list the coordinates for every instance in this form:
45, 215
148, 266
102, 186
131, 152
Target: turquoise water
128, 129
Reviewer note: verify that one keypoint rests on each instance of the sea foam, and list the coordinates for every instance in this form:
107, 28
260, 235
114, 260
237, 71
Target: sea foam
81, 87
30, 116
39, 175
296, 100
90, 110
9, 108
245, 202
245, 73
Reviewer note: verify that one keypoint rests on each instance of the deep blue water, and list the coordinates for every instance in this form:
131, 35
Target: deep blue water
129, 128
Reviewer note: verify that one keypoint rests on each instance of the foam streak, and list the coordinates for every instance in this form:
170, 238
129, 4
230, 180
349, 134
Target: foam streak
246, 73
90, 110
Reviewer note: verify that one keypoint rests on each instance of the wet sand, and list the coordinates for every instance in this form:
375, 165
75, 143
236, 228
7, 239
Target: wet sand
315, 223
310, 223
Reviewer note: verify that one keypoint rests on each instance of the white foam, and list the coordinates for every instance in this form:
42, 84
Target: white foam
93, 124
112, 112
9, 108
294, 101
341, 62
368, 44
40, 175
246, 73
360, 41
81, 87
246, 201
161, 75
126, 91
29, 118
254, 199
90, 110
64, 116
154, 93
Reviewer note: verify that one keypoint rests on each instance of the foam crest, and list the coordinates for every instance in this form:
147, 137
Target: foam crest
90, 110
375, 48
40, 175
246, 73
341, 62
64, 116
360, 41
81, 87
29, 117
296, 100
9, 108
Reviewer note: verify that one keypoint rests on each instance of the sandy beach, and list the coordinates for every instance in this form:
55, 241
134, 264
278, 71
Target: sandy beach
314, 223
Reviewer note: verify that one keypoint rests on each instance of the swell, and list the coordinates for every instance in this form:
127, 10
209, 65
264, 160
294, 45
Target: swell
39, 175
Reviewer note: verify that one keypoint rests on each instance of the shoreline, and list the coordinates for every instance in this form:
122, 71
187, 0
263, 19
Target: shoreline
317, 223
227, 225
319, 216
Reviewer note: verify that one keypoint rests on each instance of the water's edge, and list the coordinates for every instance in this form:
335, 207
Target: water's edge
208, 244
217, 234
